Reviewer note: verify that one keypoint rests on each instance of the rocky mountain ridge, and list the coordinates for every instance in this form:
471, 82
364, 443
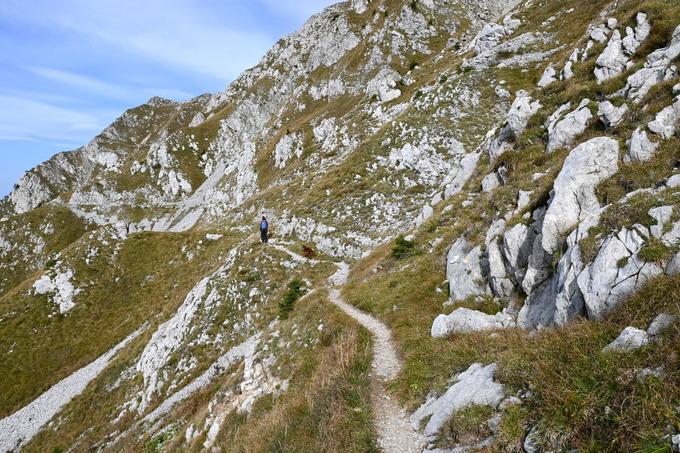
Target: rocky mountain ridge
538, 158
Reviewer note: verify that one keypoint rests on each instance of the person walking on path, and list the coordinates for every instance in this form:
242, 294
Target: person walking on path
264, 230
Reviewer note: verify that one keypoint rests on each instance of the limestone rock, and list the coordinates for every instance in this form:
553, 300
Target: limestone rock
474, 387
499, 281
574, 192
666, 121
548, 77
613, 60
384, 85
599, 34
521, 110
491, 182
465, 320
629, 340
610, 115
673, 182
640, 147
662, 215
660, 324
606, 282
574, 124
516, 247
654, 71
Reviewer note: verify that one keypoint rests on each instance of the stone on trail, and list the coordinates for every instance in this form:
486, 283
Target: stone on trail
474, 387
465, 320
629, 340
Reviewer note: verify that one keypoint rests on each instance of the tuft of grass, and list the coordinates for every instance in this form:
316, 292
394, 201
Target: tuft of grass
655, 251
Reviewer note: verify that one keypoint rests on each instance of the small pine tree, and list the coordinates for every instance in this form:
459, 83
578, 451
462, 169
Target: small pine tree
402, 248
295, 291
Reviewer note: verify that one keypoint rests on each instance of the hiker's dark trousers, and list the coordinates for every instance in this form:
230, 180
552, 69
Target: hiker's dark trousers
264, 235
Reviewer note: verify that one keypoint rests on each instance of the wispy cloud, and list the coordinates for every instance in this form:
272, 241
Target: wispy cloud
29, 120
81, 82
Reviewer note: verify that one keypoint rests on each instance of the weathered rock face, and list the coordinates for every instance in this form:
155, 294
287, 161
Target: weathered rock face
574, 193
616, 273
466, 269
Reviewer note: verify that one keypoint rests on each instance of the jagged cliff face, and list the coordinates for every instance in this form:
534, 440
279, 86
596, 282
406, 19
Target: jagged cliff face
532, 145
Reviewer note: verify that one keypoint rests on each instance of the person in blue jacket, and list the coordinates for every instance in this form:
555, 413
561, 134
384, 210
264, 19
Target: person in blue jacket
264, 230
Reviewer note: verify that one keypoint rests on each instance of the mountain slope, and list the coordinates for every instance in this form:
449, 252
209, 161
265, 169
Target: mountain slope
527, 149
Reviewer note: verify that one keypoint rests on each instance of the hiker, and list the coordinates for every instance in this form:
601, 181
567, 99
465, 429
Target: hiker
264, 230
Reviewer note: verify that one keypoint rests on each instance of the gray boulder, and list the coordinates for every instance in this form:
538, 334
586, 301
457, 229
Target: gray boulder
673, 267
521, 110
549, 76
610, 115
466, 270
558, 300
574, 191
640, 147
491, 182
499, 281
574, 124
599, 34
465, 320
673, 182
615, 59
666, 121
629, 340
539, 266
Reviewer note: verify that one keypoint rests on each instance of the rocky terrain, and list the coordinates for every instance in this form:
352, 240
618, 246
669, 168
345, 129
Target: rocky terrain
475, 246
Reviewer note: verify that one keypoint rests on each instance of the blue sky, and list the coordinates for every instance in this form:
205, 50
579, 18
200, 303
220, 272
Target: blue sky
68, 68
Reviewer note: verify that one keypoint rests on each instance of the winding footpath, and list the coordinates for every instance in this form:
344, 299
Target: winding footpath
395, 433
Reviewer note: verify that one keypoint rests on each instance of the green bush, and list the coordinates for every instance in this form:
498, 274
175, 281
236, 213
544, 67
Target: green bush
295, 292
402, 248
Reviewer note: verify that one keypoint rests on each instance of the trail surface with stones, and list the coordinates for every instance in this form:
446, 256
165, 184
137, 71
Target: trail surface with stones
395, 433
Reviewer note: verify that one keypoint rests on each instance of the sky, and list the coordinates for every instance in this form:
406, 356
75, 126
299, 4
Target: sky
68, 68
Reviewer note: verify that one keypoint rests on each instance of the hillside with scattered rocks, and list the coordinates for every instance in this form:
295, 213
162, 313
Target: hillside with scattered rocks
475, 246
